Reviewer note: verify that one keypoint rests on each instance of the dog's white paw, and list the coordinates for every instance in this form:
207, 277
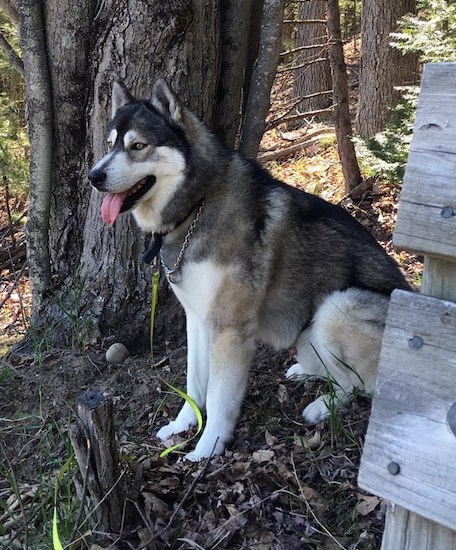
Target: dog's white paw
200, 454
296, 371
316, 411
175, 427
193, 456
166, 432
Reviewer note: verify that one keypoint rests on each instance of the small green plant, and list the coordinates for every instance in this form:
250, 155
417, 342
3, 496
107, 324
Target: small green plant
41, 343
55, 527
5, 371
335, 421
431, 33
333, 397
386, 153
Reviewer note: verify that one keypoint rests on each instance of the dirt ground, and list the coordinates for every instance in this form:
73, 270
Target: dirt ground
281, 484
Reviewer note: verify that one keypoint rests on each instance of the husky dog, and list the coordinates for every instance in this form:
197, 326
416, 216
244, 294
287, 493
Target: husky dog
250, 259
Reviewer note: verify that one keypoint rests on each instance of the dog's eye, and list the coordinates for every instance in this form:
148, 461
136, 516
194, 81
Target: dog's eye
110, 144
138, 146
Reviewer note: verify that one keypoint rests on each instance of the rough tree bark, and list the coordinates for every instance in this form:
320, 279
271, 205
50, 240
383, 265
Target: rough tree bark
382, 67
314, 72
88, 279
262, 77
39, 121
104, 490
238, 36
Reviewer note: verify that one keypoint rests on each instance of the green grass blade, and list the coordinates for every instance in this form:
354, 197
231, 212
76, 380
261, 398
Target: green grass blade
55, 531
195, 409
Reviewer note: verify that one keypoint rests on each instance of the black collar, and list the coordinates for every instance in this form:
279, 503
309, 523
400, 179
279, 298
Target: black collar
154, 249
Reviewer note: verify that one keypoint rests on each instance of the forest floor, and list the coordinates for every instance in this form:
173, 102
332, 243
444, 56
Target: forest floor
281, 484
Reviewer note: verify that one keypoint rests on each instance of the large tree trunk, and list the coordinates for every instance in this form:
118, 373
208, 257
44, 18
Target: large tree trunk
313, 74
382, 67
177, 42
96, 285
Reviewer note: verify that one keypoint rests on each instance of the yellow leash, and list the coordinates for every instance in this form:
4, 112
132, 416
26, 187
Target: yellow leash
183, 395
154, 300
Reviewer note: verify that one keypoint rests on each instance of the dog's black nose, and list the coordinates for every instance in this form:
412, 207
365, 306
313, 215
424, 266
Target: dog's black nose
97, 178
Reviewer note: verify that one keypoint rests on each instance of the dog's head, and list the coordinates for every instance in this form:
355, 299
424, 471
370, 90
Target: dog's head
147, 151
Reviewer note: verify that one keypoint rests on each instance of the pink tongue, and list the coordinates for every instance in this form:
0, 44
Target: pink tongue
111, 205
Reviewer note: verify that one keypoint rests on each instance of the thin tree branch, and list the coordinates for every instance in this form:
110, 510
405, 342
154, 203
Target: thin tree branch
302, 65
304, 22
300, 116
300, 144
15, 61
291, 107
10, 10
346, 149
303, 48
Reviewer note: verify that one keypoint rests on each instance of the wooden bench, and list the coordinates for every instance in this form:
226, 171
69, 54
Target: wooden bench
409, 456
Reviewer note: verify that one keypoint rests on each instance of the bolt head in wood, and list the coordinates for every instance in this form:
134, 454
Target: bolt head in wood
451, 418
447, 212
394, 468
416, 342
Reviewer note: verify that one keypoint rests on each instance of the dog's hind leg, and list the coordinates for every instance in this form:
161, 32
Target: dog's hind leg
231, 355
197, 377
342, 345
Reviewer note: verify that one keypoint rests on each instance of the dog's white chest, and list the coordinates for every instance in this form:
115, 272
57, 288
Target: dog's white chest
198, 286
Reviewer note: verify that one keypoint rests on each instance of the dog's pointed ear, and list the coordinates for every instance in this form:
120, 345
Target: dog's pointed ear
120, 96
166, 101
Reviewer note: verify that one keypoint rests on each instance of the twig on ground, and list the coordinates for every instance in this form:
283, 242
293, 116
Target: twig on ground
309, 507
300, 144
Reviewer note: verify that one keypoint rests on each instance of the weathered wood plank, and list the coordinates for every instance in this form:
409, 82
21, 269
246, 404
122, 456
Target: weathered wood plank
417, 386
408, 531
422, 229
429, 179
426, 220
408, 426
439, 278
435, 121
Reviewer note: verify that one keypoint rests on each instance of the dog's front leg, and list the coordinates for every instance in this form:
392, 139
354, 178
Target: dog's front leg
231, 355
197, 377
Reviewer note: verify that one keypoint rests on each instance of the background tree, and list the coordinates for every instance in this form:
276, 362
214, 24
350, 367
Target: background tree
382, 67
87, 279
313, 72
342, 121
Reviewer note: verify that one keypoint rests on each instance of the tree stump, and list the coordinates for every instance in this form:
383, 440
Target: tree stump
103, 489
